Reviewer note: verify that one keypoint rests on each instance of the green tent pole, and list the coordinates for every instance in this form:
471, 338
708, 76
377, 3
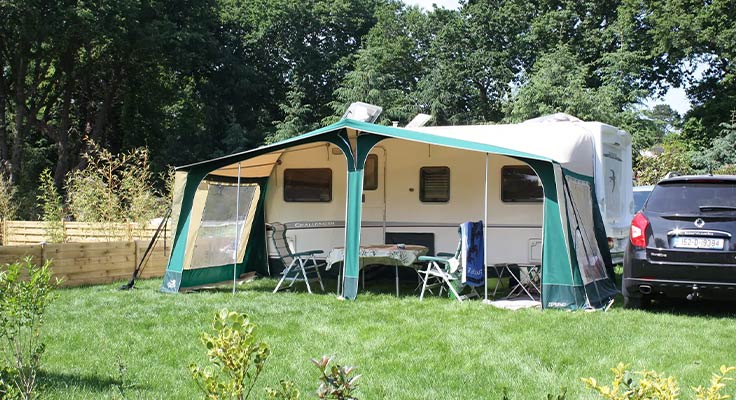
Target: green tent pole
352, 234
237, 231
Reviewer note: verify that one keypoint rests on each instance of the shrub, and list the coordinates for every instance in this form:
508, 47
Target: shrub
51, 204
336, 381
237, 358
8, 201
287, 391
675, 157
114, 188
26, 290
655, 386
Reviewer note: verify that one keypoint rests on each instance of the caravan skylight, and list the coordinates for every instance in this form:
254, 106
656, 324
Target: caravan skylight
365, 112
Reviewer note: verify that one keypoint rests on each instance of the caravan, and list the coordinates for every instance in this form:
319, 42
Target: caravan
547, 189
418, 193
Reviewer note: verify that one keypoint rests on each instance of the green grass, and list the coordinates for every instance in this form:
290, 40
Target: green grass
405, 349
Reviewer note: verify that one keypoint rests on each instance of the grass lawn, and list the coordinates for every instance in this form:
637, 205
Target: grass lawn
405, 349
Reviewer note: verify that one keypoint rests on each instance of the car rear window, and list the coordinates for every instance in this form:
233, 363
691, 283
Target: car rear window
640, 198
688, 197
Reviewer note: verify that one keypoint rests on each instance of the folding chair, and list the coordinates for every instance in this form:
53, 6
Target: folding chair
465, 269
301, 266
526, 283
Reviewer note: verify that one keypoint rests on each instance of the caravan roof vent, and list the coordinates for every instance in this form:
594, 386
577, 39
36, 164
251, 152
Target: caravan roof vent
365, 112
419, 120
557, 117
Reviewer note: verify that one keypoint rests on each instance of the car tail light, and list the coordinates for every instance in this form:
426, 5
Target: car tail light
638, 233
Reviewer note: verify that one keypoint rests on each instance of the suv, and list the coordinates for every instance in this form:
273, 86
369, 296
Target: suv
682, 244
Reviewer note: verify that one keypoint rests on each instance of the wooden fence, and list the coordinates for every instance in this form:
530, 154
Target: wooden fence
35, 232
92, 263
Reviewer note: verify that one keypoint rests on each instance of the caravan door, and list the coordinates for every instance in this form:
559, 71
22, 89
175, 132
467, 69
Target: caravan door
373, 224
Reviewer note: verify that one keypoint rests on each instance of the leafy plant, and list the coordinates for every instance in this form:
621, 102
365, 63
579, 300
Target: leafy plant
717, 383
337, 382
8, 201
287, 391
26, 290
52, 207
114, 188
121, 381
653, 385
675, 157
237, 358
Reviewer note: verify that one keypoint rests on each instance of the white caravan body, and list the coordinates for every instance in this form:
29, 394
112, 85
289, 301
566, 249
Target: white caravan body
393, 212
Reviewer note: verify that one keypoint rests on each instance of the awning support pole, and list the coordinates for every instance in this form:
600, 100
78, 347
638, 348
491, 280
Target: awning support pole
485, 232
352, 234
237, 232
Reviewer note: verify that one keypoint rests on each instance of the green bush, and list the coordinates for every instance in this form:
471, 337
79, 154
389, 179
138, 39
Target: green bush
114, 188
8, 199
237, 358
675, 157
336, 381
26, 290
287, 391
652, 385
52, 206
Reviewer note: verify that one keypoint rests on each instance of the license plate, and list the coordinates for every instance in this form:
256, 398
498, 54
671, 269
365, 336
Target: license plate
697, 243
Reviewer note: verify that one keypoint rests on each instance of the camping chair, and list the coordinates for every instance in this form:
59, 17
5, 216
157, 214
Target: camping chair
526, 280
465, 268
300, 266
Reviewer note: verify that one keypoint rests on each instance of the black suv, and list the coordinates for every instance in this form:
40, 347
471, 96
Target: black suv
682, 244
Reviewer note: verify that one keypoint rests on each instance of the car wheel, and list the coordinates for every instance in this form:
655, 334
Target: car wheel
637, 303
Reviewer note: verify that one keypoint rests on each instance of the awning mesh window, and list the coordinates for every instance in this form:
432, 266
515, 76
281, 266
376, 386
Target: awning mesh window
215, 242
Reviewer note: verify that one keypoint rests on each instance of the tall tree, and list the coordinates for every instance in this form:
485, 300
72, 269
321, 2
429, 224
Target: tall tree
694, 35
387, 68
475, 56
557, 83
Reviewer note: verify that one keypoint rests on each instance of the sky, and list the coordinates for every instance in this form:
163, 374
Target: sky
675, 97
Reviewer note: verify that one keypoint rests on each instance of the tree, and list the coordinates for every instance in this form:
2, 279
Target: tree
297, 115
675, 157
557, 83
474, 57
387, 67
698, 34
720, 156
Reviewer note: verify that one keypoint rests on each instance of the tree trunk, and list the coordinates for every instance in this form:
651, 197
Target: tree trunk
4, 153
62, 134
16, 160
103, 112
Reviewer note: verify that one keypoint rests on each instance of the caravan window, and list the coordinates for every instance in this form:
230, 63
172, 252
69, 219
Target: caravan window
370, 179
434, 184
308, 185
520, 184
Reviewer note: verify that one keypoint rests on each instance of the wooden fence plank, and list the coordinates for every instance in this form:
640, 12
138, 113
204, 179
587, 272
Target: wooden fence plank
34, 232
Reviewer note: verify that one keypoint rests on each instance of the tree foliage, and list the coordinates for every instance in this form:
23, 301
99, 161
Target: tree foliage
8, 204
114, 188
196, 79
674, 157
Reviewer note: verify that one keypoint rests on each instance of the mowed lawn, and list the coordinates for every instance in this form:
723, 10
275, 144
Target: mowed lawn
404, 348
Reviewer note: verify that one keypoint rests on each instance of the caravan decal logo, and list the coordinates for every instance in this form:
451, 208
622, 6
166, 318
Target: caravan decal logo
313, 224
612, 178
